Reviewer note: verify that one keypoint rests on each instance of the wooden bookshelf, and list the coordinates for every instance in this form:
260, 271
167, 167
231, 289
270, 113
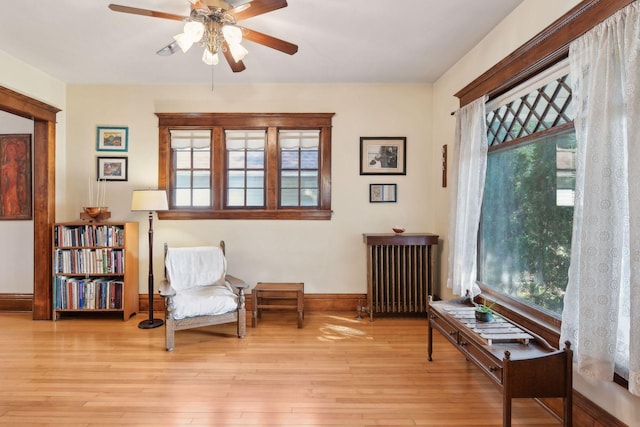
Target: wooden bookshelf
95, 268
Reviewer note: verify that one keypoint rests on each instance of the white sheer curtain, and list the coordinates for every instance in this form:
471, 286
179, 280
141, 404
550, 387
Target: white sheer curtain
602, 301
469, 160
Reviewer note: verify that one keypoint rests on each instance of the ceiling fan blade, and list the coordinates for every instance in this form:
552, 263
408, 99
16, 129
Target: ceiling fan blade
199, 4
257, 7
236, 67
269, 41
145, 12
169, 49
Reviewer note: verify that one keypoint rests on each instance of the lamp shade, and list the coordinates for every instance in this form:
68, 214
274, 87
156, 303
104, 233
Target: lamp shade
149, 200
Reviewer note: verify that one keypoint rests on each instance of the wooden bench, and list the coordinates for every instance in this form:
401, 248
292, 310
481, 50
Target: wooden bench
277, 296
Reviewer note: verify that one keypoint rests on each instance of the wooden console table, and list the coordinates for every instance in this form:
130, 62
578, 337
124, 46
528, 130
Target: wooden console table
521, 364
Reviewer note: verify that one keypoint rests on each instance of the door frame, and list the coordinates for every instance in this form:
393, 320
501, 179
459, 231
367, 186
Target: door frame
44, 171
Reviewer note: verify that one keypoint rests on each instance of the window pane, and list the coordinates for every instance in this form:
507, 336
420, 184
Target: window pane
255, 179
525, 233
201, 197
236, 179
201, 179
255, 197
289, 197
309, 197
289, 159
289, 179
183, 197
201, 159
235, 159
183, 179
235, 197
309, 159
255, 159
309, 179
182, 159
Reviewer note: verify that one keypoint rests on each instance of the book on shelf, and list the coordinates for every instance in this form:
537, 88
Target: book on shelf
89, 261
73, 293
88, 235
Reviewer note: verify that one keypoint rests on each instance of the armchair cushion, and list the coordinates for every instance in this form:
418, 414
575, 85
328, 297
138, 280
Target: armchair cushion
204, 301
194, 267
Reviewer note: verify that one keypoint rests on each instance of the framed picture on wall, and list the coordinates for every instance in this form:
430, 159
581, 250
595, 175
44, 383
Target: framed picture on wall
383, 155
112, 169
112, 138
15, 177
383, 193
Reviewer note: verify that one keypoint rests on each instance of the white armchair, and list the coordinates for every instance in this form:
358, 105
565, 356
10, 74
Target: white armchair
198, 292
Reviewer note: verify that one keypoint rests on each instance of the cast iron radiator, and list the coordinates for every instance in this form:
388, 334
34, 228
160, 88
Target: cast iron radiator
399, 273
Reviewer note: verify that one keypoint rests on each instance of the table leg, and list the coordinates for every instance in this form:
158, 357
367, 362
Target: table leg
254, 312
300, 309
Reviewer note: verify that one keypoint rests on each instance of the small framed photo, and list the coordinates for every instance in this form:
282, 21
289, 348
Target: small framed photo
112, 138
383, 193
383, 155
112, 169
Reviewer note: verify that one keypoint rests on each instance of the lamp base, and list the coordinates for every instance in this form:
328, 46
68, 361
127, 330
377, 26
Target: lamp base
150, 323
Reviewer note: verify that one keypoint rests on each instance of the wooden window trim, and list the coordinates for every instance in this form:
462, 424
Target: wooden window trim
270, 121
543, 50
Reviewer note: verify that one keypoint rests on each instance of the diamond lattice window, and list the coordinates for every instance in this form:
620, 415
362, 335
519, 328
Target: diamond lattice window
540, 110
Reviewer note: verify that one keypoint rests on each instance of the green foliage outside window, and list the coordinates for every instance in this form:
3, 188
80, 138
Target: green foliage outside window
525, 230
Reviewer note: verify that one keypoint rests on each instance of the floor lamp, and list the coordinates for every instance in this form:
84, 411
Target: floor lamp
150, 201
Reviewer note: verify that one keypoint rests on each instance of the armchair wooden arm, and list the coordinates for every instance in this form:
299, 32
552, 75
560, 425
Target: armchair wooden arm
236, 283
165, 289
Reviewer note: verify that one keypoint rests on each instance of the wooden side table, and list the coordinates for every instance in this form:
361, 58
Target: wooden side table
278, 296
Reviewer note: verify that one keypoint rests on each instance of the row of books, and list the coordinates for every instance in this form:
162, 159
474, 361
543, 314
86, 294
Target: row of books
89, 261
73, 293
88, 235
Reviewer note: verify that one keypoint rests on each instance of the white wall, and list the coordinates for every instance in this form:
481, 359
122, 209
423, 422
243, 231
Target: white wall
328, 256
525, 22
16, 250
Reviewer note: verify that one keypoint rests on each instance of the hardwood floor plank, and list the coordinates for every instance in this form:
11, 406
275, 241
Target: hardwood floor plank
336, 371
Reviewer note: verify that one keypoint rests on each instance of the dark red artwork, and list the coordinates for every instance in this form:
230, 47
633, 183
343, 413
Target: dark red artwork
15, 177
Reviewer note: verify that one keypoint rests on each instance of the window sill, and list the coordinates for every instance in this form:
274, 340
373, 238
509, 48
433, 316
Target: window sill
284, 214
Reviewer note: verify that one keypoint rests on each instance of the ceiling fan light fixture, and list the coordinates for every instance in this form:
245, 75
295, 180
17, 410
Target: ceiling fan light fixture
238, 52
210, 58
184, 41
232, 34
194, 30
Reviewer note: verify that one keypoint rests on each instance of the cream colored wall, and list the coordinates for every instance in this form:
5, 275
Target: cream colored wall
16, 250
328, 256
526, 21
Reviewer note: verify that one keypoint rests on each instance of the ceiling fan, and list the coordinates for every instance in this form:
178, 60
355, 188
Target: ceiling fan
213, 24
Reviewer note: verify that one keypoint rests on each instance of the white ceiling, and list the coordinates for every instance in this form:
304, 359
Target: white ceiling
340, 41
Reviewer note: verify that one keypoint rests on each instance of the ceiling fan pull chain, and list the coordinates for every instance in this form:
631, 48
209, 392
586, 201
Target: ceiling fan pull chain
212, 71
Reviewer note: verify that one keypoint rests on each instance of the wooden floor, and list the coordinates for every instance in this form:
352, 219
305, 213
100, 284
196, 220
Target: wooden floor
336, 371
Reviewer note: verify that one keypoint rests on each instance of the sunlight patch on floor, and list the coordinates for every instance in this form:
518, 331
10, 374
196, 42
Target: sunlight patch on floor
331, 332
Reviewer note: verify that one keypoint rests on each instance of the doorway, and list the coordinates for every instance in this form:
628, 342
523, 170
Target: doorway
44, 141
